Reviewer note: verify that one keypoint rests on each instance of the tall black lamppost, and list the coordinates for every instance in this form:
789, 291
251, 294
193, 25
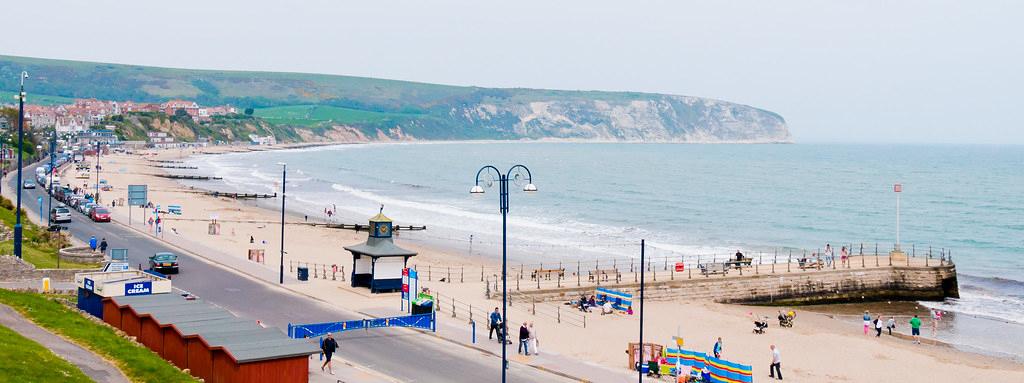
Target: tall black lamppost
517, 176
21, 135
284, 180
49, 187
3, 159
97, 195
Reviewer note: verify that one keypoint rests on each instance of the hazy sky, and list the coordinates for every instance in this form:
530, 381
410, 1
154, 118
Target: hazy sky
839, 71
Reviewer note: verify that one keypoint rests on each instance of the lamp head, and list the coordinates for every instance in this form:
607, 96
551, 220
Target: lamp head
530, 188
477, 189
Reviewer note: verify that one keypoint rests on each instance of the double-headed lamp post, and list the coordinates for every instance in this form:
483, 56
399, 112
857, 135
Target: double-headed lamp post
21, 136
516, 173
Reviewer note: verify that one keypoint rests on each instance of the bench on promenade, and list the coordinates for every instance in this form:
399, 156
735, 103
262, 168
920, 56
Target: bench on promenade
713, 268
603, 274
547, 273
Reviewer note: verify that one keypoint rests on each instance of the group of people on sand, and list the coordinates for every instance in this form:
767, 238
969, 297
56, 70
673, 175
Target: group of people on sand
587, 304
879, 322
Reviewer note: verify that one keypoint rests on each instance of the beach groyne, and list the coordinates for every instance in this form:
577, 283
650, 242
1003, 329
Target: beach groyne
930, 283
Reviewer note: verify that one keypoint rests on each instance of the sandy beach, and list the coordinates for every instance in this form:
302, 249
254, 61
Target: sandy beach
818, 349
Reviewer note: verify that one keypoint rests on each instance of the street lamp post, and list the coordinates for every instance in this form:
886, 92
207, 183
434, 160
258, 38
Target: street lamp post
503, 188
97, 195
21, 135
284, 180
49, 187
643, 266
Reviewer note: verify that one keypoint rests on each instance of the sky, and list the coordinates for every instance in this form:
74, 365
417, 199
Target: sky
865, 71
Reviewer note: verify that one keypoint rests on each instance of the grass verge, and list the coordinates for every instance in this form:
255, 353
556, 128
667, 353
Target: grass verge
139, 363
39, 247
23, 360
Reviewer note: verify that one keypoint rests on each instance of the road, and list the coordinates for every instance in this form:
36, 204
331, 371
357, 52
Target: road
402, 354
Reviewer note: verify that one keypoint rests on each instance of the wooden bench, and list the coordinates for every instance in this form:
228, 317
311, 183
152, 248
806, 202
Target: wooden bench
714, 268
603, 274
547, 273
737, 263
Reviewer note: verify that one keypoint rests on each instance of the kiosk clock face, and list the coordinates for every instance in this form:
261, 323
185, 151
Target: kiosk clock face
382, 229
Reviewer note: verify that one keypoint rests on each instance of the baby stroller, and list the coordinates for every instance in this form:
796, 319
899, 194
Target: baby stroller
760, 325
786, 320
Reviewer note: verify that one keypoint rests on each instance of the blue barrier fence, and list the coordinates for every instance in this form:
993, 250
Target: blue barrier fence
312, 330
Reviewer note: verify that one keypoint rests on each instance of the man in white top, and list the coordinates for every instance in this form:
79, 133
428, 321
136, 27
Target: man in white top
776, 366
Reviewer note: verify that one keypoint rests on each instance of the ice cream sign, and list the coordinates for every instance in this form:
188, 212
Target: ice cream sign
138, 288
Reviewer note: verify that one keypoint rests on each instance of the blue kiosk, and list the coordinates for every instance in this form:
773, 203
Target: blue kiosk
378, 263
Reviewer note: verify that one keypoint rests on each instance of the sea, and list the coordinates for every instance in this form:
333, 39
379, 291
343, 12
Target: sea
598, 200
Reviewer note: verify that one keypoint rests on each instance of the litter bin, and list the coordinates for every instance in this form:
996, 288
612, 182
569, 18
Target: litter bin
303, 273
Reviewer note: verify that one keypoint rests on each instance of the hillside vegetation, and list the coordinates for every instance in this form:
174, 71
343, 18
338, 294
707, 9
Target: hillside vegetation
329, 107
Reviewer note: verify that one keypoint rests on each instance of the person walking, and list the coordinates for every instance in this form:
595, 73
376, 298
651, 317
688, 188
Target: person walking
329, 346
776, 367
915, 329
92, 243
533, 340
878, 326
717, 350
524, 339
867, 322
891, 324
844, 255
829, 257
103, 246
495, 320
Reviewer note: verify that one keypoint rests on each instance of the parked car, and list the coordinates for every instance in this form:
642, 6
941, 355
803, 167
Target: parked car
166, 263
85, 207
29, 185
60, 214
99, 214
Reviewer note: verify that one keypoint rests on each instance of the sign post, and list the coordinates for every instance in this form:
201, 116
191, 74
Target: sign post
137, 196
405, 288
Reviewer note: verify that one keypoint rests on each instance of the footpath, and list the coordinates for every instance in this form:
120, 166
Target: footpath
96, 368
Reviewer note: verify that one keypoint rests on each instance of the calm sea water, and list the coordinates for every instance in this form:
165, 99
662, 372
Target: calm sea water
601, 199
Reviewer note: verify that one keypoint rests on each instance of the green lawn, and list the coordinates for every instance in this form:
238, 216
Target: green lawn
308, 115
135, 360
37, 247
23, 360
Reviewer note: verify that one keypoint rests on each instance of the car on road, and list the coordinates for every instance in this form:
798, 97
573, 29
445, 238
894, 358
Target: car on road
99, 214
60, 214
29, 185
164, 262
85, 207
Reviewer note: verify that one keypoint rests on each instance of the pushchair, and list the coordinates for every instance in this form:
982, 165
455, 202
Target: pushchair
760, 325
786, 320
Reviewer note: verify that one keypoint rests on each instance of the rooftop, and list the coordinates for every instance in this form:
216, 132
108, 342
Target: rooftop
243, 339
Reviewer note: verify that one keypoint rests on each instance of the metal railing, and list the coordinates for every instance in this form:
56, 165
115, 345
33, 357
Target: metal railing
617, 271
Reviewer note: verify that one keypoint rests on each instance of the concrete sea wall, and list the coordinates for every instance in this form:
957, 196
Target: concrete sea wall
812, 287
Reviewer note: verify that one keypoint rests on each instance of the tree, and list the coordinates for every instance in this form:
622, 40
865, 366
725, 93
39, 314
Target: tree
249, 111
180, 113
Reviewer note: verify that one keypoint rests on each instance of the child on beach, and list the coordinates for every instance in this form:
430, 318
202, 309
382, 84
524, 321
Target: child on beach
867, 322
844, 254
891, 324
878, 326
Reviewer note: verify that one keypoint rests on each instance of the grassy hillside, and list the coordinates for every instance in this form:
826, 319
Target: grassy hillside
315, 106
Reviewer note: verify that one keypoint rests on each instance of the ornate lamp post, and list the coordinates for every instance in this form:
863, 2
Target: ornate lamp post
516, 174
284, 180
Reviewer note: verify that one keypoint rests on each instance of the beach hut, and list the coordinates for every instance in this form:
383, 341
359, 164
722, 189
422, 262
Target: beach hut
378, 263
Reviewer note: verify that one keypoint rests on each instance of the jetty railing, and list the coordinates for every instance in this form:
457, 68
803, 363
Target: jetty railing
624, 270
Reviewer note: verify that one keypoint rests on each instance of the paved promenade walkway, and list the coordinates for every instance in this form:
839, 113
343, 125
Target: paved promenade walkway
91, 364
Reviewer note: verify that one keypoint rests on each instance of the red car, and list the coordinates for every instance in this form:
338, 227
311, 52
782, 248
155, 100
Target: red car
100, 214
